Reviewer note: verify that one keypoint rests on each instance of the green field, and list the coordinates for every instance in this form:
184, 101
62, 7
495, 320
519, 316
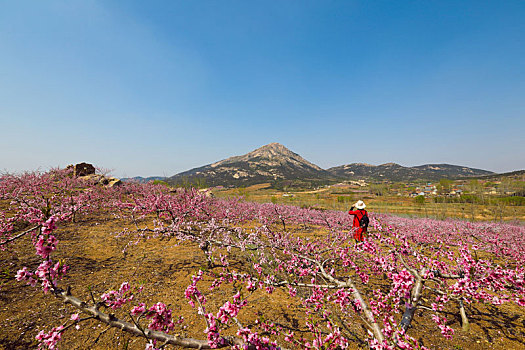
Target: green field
470, 207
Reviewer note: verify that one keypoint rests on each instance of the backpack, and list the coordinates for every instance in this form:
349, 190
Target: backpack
363, 222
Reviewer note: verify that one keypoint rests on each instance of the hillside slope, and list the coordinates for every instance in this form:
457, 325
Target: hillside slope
270, 163
396, 172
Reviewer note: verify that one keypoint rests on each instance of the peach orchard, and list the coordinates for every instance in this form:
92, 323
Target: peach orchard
404, 266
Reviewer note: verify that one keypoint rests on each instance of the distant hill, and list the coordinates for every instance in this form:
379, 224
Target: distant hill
516, 175
276, 164
272, 163
141, 179
396, 172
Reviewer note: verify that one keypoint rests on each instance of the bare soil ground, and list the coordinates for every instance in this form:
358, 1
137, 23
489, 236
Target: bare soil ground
164, 269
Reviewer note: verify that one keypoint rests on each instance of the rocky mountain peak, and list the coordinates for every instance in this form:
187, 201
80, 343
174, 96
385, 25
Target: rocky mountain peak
273, 154
272, 150
272, 162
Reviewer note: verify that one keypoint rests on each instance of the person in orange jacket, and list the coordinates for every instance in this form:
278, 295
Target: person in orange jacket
360, 224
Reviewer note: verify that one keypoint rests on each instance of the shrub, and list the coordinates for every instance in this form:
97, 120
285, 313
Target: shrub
420, 199
514, 200
343, 199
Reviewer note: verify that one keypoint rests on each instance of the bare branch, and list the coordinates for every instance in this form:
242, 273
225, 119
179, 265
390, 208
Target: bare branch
20, 235
100, 334
113, 321
409, 269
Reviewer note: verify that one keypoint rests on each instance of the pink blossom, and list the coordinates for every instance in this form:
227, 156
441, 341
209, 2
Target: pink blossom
49, 339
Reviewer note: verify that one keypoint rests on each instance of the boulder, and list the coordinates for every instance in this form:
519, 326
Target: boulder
82, 169
95, 179
86, 172
207, 192
112, 181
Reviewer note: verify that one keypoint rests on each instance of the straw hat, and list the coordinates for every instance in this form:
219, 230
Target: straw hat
360, 205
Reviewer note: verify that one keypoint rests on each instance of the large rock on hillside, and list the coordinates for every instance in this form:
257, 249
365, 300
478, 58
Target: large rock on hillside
98, 179
86, 172
82, 169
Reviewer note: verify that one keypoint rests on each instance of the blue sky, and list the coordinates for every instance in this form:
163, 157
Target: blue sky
159, 87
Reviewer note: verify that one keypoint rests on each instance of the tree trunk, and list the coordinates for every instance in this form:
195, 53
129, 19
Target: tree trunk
417, 292
408, 316
465, 325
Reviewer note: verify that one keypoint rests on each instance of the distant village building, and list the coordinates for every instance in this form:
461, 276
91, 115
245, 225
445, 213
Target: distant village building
455, 192
491, 190
430, 190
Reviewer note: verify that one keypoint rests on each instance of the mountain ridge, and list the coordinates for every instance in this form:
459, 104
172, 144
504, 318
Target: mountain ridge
396, 172
275, 163
141, 179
